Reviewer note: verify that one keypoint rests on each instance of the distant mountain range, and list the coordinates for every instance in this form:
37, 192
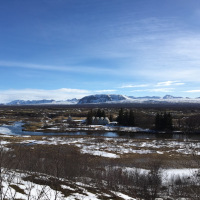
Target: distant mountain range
113, 98
44, 101
29, 102
109, 98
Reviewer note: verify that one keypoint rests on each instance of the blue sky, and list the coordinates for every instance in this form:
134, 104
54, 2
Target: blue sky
61, 49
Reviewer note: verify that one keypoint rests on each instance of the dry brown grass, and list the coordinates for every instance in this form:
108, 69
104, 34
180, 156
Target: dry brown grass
171, 159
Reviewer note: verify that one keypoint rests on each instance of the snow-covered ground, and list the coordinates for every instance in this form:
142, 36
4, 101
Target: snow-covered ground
14, 187
20, 185
6, 131
169, 175
112, 148
115, 147
100, 128
17, 185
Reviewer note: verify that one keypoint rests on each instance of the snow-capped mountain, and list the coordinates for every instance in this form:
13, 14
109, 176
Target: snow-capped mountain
145, 97
103, 98
44, 101
171, 97
109, 98
68, 101
29, 102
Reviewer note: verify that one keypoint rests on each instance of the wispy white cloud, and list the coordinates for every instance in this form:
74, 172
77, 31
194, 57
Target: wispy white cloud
154, 49
159, 84
193, 91
168, 83
38, 94
163, 50
104, 91
187, 75
76, 69
157, 49
178, 58
162, 90
134, 86
156, 90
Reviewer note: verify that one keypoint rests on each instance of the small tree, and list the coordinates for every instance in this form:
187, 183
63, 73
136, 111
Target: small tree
158, 121
120, 116
126, 118
111, 118
100, 113
89, 117
131, 120
163, 122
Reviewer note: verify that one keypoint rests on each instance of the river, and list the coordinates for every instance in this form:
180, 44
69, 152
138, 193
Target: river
17, 129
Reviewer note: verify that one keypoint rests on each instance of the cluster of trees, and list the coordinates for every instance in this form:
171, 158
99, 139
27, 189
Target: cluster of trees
126, 118
163, 122
92, 113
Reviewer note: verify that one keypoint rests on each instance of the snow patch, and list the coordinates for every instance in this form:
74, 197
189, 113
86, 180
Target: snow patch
6, 131
100, 153
125, 197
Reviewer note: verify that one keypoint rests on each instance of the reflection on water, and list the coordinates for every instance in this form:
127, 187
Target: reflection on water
16, 129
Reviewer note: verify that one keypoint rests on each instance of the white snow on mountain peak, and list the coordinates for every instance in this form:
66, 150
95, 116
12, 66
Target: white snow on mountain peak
109, 98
